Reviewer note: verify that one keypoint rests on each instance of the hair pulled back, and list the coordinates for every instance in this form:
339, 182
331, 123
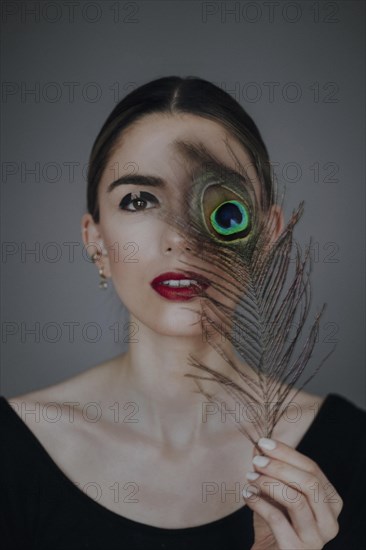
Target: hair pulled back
174, 95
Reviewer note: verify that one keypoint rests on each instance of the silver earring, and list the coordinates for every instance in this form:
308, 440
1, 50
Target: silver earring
103, 279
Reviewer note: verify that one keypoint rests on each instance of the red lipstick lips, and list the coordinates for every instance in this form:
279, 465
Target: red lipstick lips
179, 291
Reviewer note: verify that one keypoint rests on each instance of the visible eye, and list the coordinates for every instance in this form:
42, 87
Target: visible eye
138, 200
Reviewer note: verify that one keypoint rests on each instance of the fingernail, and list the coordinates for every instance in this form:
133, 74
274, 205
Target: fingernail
252, 476
260, 461
267, 444
247, 493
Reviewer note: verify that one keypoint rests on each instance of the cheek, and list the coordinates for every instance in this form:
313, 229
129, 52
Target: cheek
132, 272
131, 250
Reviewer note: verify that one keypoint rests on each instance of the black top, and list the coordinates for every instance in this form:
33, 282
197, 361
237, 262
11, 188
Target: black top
42, 509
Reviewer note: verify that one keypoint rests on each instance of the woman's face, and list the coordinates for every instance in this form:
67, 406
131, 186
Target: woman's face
140, 246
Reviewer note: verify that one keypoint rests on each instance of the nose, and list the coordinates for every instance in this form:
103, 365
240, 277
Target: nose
172, 241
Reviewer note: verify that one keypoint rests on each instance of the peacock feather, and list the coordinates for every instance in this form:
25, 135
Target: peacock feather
259, 295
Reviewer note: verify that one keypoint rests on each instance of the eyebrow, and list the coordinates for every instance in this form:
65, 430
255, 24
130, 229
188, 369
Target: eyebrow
137, 179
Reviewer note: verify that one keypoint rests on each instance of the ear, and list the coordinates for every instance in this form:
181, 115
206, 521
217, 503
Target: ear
94, 242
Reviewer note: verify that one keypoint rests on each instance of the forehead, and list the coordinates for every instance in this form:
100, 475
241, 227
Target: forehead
153, 145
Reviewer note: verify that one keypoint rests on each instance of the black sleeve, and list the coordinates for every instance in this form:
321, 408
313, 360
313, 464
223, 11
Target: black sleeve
336, 442
18, 484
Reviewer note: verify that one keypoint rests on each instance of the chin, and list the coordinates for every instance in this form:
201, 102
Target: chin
176, 323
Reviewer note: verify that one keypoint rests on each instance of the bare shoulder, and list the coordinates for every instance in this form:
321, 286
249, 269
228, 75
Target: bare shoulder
74, 410
309, 402
83, 387
300, 413
59, 406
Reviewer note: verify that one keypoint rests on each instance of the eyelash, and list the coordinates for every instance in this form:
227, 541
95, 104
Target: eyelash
146, 197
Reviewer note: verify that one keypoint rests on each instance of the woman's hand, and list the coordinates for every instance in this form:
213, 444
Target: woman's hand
296, 507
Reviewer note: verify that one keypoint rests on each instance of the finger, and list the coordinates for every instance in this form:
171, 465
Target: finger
323, 497
310, 476
281, 451
297, 508
280, 526
299, 492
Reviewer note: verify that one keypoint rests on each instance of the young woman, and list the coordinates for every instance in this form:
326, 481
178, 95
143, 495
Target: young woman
127, 454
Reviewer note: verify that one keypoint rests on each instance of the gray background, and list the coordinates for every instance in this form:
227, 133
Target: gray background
297, 67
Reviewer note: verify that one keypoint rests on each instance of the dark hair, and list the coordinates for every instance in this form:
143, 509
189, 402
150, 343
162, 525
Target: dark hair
172, 95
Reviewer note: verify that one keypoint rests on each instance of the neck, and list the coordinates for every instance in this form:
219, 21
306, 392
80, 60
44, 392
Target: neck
171, 408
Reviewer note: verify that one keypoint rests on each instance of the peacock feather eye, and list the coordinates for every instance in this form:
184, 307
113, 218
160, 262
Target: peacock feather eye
227, 215
230, 218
